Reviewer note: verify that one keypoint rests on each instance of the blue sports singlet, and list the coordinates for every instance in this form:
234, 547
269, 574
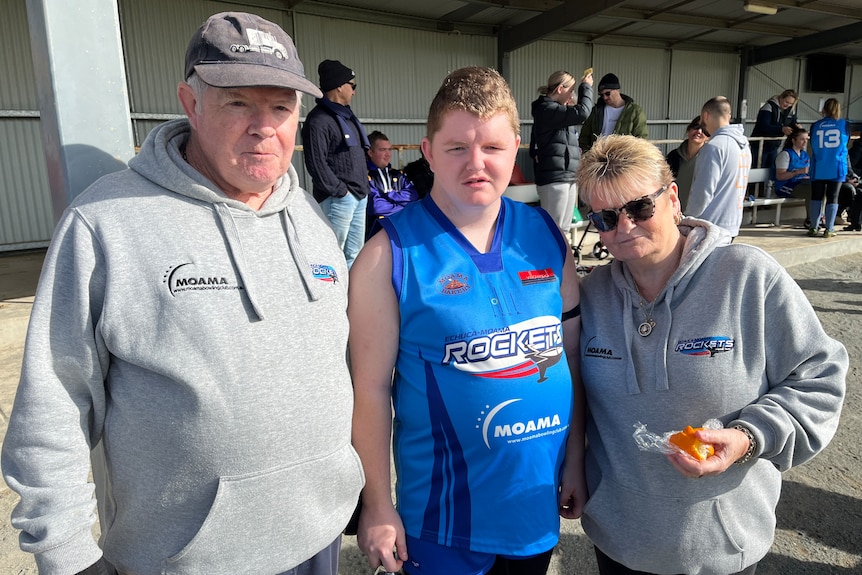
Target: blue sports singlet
829, 138
483, 394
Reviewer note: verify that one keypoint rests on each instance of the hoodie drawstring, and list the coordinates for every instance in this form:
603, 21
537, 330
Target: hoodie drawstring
237, 254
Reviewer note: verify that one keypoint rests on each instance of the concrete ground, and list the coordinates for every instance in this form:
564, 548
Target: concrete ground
19, 274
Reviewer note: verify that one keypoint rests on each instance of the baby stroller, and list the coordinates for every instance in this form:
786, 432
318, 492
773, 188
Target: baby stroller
600, 252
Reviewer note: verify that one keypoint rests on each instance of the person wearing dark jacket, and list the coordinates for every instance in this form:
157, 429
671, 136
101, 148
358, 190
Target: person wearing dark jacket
614, 113
335, 144
554, 143
390, 189
775, 119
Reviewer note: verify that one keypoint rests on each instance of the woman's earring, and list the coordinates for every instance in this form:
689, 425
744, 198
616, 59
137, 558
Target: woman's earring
677, 218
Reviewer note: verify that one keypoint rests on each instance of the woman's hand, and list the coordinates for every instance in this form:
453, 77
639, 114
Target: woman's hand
381, 538
573, 489
729, 445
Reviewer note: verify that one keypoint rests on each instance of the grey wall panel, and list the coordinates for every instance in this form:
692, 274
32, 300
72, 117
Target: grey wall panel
26, 215
398, 71
25, 201
18, 85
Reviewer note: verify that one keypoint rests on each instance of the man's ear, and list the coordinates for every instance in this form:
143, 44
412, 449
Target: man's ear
188, 100
426, 151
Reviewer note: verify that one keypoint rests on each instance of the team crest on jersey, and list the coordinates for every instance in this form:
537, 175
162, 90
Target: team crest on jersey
531, 277
453, 284
705, 346
324, 273
520, 350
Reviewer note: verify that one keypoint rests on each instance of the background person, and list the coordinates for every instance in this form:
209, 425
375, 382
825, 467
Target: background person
680, 328
792, 163
554, 143
721, 169
389, 189
188, 319
335, 144
681, 159
776, 118
829, 138
499, 273
614, 113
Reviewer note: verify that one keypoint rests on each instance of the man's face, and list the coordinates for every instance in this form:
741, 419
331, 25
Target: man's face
245, 136
344, 93
612, 98
709, 123
472, 159
381, 153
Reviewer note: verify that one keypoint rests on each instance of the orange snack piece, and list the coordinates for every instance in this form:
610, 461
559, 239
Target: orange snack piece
690, 444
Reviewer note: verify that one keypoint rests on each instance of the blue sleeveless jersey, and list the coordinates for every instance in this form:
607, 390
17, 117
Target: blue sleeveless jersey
482, 394
829, 140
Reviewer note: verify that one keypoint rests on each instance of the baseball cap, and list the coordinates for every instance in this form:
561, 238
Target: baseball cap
237, 49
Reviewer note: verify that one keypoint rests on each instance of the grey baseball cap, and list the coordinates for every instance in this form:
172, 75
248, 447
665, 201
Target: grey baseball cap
236, 49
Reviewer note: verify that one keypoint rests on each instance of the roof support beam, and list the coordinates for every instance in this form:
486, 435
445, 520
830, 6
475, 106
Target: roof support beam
551, 21
806, 44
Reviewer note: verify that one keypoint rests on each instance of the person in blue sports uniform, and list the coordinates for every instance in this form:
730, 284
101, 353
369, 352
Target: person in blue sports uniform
829, 138
472, 299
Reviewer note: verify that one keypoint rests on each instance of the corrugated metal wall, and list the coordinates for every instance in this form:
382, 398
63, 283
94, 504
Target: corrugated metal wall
26, 217
398, 72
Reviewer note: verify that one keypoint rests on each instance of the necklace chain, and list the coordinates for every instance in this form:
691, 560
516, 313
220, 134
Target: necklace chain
645, 328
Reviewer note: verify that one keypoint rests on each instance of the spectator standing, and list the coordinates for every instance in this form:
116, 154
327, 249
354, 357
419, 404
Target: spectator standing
461, 271
681, 159
721, 169
829, 138
776, 118
554, 143
189, 318
389, 189
614, 113
335, 144
681, 328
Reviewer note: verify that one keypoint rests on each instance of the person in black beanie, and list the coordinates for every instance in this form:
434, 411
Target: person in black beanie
335, 144
614, 113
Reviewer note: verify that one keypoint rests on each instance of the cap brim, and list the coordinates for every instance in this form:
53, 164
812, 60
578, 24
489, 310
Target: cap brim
245, 75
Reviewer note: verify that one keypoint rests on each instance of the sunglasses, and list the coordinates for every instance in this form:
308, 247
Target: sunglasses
606, 94
352, 85
637, 210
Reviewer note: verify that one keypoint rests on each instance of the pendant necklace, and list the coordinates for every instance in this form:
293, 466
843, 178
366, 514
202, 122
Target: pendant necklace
645, 328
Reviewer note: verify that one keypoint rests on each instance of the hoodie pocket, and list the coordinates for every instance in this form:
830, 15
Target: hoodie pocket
270, 521
661, 534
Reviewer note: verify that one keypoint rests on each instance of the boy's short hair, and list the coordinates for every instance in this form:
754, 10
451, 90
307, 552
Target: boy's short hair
477, 90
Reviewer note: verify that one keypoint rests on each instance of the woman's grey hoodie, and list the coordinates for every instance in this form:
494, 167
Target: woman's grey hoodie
735, 339
201, 344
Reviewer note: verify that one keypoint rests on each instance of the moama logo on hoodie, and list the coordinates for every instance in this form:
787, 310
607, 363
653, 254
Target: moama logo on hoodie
188, 277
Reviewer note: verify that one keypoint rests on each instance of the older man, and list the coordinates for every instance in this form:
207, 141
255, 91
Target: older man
190, 331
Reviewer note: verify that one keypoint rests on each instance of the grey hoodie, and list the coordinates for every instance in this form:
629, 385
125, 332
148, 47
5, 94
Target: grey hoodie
721, 178
203, 343
735, 339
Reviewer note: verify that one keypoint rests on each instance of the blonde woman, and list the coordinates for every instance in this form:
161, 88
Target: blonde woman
554, 143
